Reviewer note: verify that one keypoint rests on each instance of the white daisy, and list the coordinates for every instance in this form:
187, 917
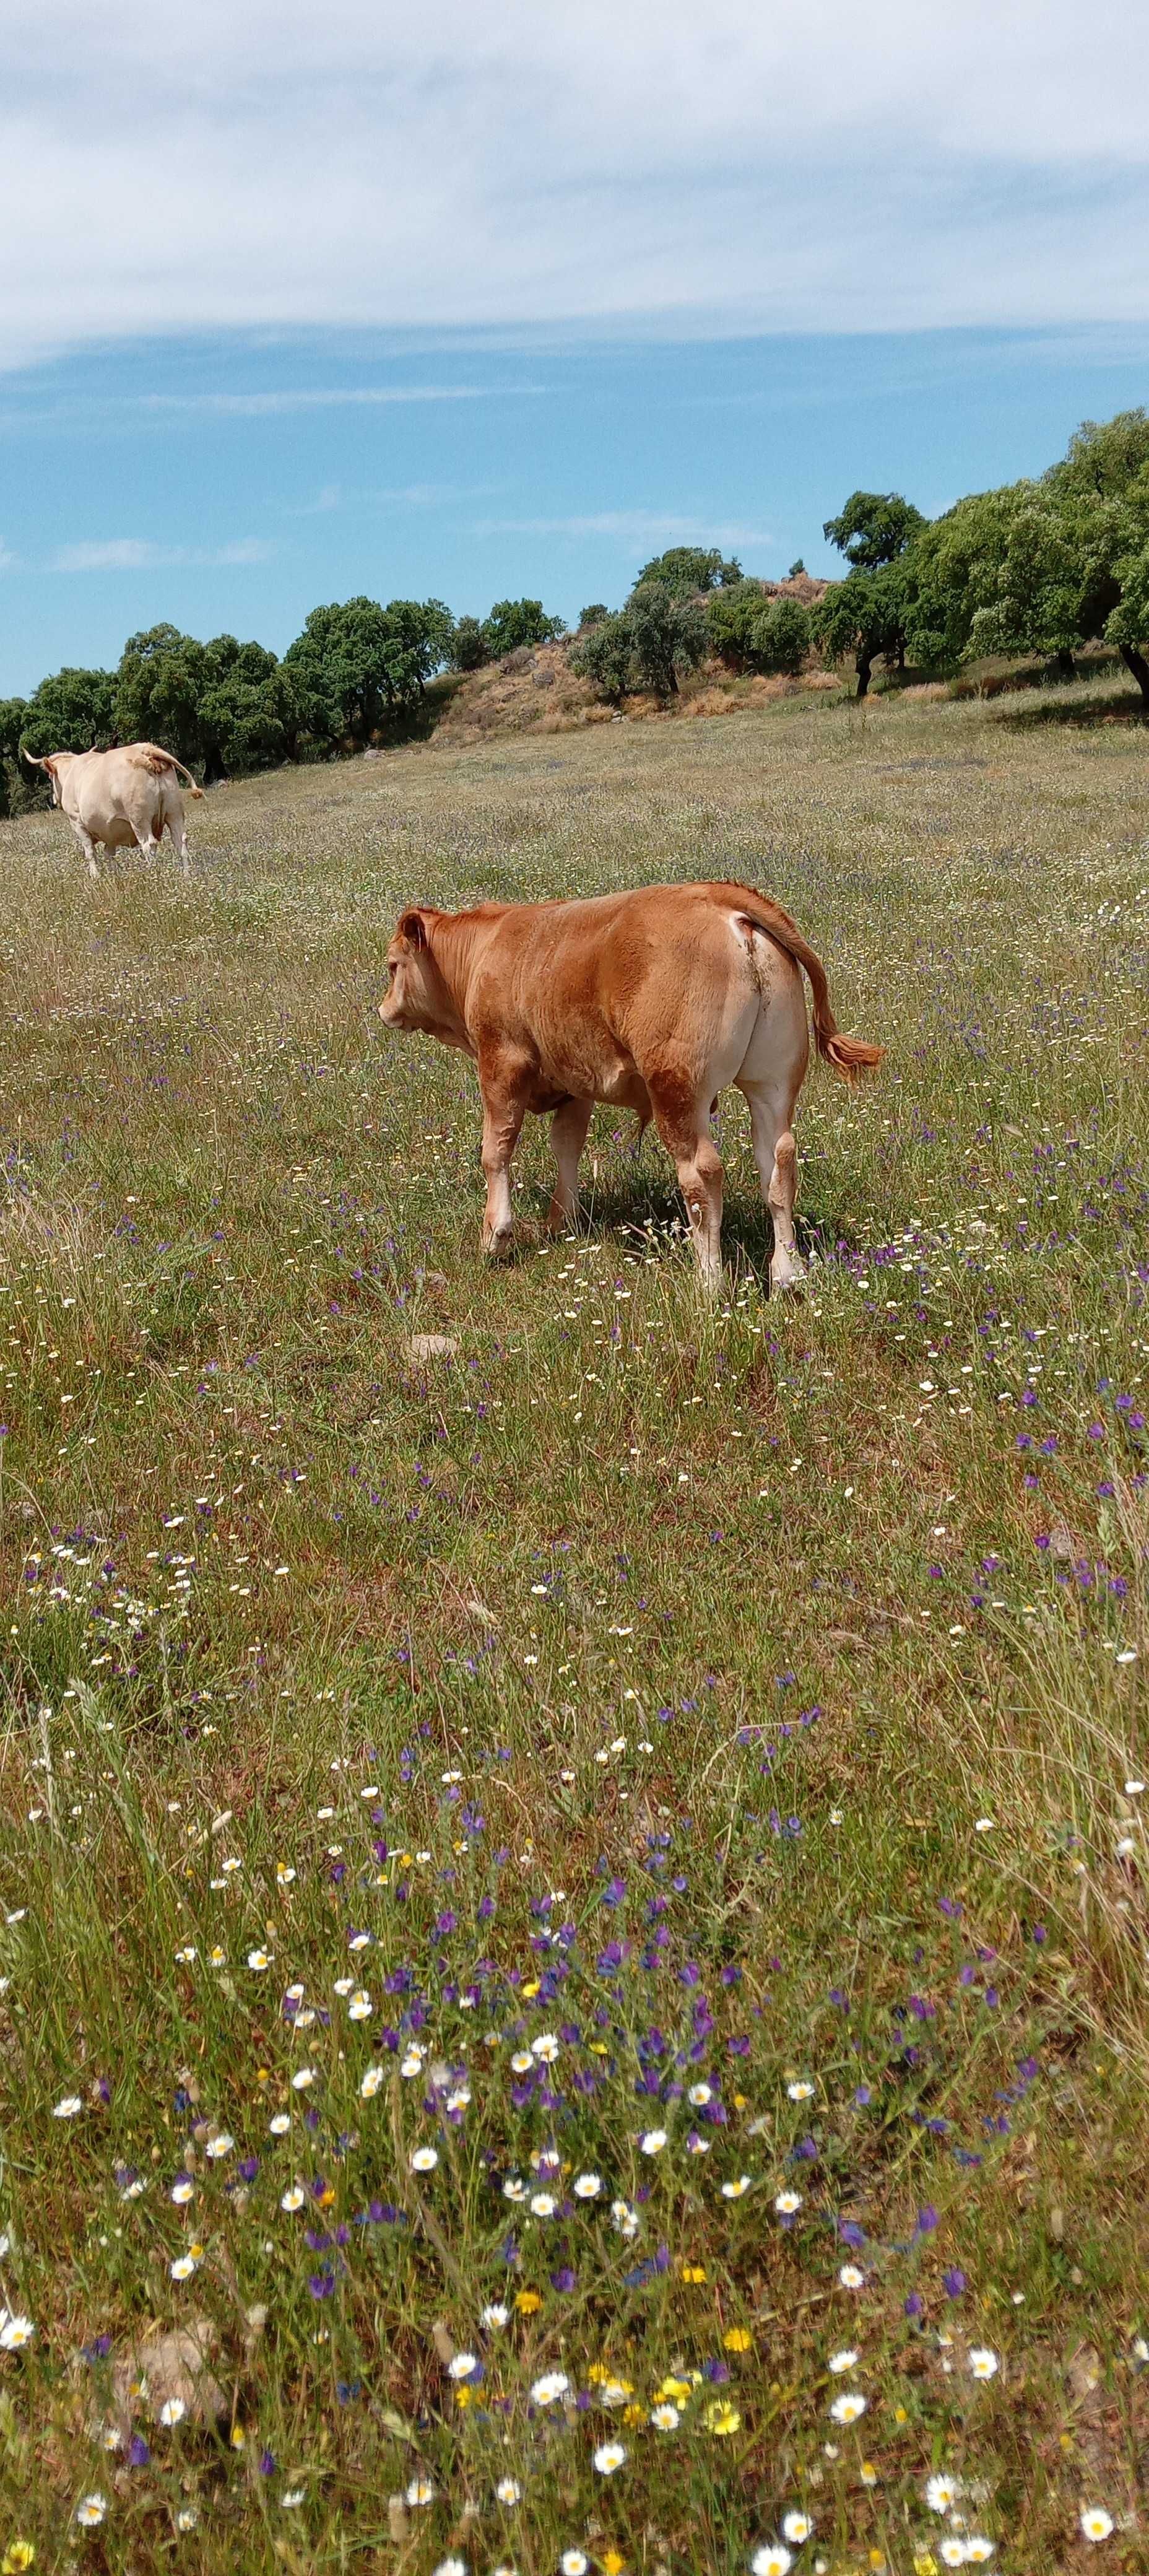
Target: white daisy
424, 2160
586, 2186
982, 2362
547, 2390
1096, 2524
652, 2142
91, 2509
847, 2408
609, 2457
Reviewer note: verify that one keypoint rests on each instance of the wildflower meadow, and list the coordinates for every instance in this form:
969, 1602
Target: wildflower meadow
574, 1937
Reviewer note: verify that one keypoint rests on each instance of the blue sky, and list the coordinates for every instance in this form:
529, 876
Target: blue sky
505, 304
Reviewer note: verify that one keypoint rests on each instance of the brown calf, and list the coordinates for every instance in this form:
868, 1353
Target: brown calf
654, 1001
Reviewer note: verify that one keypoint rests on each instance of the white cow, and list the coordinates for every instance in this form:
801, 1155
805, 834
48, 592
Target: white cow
118, 797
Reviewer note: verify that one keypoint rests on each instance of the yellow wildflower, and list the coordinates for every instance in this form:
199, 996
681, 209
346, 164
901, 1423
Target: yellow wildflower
737, 2339
694, 2271
721, 2419
527, 2301
612, 2562
18, 2555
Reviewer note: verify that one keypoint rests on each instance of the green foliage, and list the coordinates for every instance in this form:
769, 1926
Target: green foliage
781, 637
796, 567
515, 622
13, 787
469, 645
873, 528
594, 615
357, 665
1043, 567
161, 679
686, 569
73, 710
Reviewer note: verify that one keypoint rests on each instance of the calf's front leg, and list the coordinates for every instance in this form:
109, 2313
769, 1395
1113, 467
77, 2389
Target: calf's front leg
502, 1120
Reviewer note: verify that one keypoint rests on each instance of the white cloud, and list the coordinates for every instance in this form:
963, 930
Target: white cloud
632, 528
138, 554
8, 560
252, 406
912, 163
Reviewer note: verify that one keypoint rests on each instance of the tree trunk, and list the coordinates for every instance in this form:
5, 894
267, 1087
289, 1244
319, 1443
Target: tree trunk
1064, 664
865, 662
1135, 661
901, 652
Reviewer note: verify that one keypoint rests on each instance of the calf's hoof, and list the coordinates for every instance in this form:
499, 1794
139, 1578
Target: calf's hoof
497, 1246
788, 1279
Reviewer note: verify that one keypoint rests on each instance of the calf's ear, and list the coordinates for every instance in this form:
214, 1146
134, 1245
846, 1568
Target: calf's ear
412, 927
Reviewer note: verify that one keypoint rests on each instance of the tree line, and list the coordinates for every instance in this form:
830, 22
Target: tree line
226, 708
1041, 567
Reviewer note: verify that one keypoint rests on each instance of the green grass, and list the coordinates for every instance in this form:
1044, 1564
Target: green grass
641, 1679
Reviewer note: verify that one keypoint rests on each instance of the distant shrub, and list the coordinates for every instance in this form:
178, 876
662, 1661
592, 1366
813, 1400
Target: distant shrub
781, 637
796, 568
684, 570
732, 615
469, 645
592, 616
515, 622
667, 635
603, 656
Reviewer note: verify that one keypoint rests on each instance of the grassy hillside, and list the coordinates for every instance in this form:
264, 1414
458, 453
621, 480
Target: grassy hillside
576, 1916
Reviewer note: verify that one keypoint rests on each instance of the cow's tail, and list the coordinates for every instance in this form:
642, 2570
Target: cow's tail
152, 756
849, 1056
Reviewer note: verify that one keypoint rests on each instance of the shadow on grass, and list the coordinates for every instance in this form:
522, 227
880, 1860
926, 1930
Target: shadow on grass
635, 1213
1118, 706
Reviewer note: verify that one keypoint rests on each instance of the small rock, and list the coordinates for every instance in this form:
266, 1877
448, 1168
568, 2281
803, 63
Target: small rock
172, 2365
1061, 1542
432, 1346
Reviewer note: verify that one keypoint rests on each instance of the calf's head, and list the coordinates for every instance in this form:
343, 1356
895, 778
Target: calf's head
416, 996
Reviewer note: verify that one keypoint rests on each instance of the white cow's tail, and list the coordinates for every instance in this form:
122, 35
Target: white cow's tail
151, 755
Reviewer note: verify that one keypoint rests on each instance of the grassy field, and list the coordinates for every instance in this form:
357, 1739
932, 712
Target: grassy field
576, 1934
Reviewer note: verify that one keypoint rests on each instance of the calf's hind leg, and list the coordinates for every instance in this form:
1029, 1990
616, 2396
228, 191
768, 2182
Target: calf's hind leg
568, 1136
683, 1124
776, 1156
